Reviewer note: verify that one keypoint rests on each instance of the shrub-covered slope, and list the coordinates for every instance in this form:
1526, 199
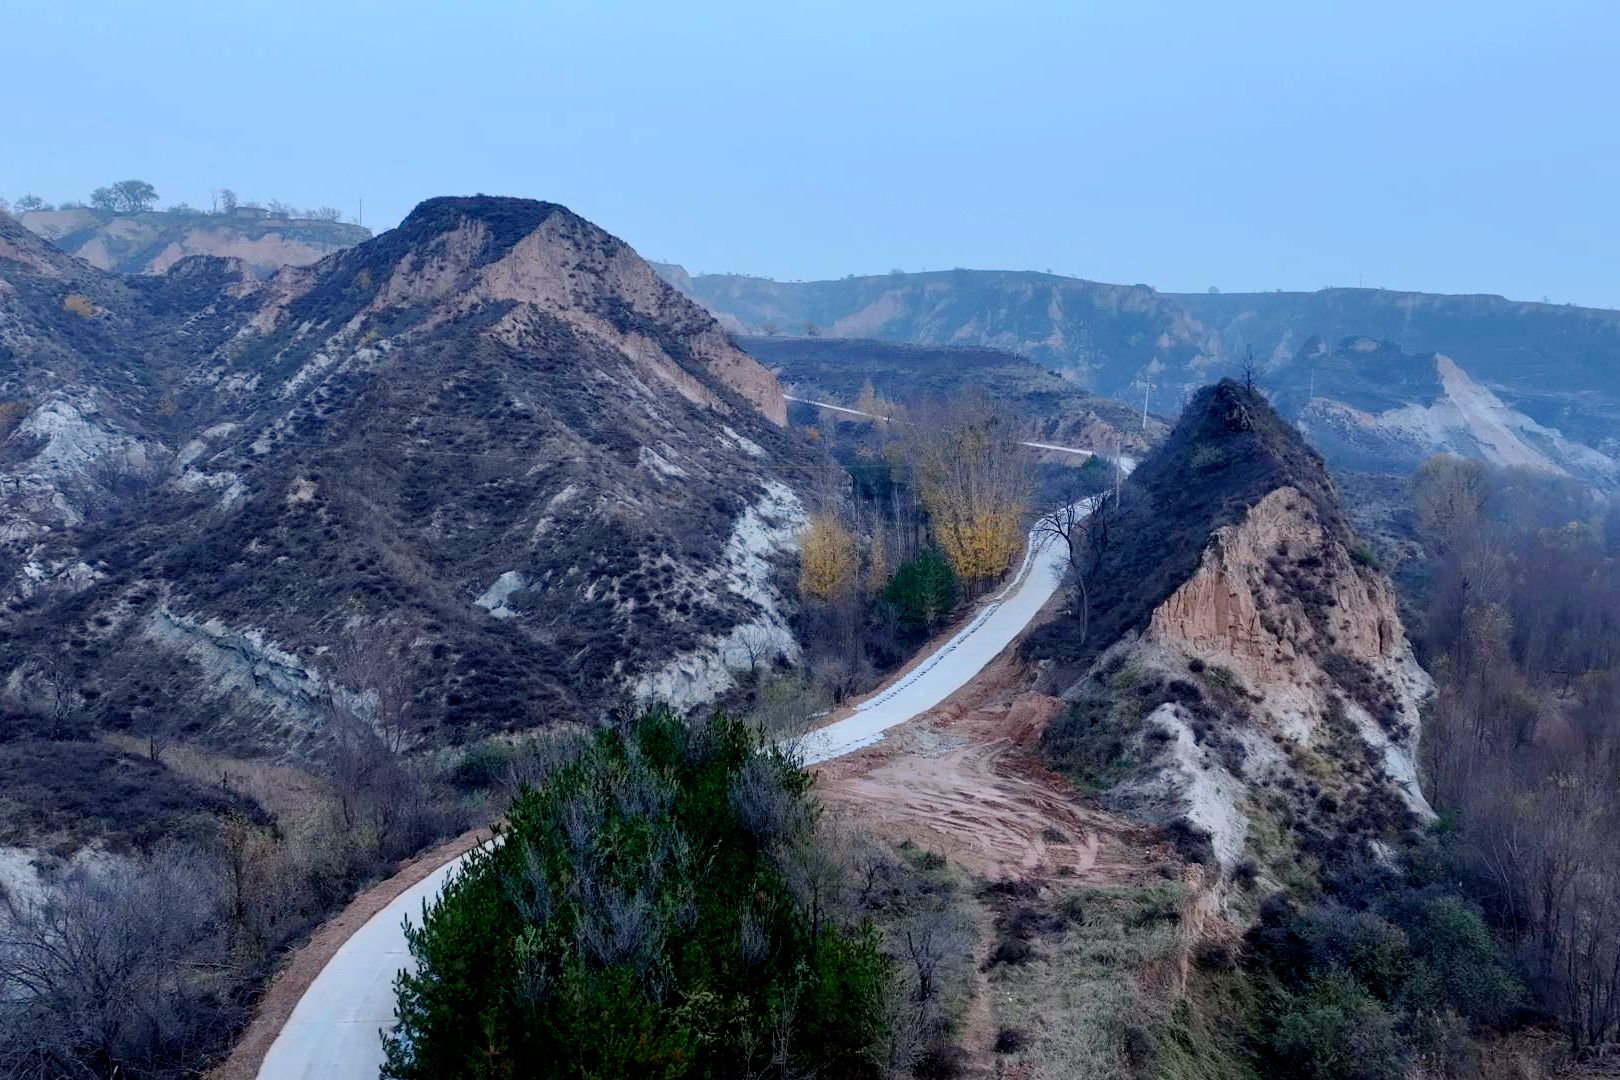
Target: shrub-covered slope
492, 430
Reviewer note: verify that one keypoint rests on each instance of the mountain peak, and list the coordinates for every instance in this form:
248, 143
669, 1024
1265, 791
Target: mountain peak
506, 218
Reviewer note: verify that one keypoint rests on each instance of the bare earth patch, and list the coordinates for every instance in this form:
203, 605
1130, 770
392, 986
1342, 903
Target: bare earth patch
966, 780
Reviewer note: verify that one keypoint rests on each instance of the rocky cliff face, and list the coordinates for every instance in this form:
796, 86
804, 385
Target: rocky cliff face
1262, 700
154, 241
493, 431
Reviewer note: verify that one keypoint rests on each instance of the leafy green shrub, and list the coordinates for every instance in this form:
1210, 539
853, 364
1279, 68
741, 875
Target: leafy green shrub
1459, 963
649, 914
1336, 1030
1417, 967
924, 592
482, 766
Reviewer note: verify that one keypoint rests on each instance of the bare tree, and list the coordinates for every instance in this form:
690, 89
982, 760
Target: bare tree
1081, 525
55, 688
97, 976
754, 643
374, 660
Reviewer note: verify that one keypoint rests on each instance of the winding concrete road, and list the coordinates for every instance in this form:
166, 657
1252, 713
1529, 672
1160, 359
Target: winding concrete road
333, 1031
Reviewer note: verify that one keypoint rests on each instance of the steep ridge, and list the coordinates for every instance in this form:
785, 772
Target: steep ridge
492, 432
1243, 678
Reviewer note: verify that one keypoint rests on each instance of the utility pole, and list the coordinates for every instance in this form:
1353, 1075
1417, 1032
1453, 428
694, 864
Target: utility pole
1119, 464
360, 217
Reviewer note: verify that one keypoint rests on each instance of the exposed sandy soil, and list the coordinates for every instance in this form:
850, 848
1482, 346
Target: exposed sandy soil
306, 962
965, 780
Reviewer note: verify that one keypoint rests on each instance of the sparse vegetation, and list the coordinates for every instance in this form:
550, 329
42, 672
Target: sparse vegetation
1089, 948
1521, 633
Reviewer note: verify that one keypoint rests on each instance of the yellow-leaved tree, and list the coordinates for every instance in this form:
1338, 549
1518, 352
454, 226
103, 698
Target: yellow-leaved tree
974, 480
829, 567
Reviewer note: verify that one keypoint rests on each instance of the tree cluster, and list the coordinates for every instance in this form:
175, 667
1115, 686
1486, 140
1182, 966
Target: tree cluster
125, 197
659, 906
139, 196
917, 515
1521, 630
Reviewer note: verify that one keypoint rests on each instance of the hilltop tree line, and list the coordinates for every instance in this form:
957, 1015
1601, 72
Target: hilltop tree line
140, 196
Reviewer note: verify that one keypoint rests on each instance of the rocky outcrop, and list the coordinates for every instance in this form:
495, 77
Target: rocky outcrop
1262, 702
1237, 606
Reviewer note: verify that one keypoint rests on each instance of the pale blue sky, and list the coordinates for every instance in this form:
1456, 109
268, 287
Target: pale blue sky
1426, 144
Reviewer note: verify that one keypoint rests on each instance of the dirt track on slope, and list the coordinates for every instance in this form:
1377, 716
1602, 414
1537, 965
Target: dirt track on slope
965, 779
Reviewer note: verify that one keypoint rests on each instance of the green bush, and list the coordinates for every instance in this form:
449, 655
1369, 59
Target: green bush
1336, 1030
654, 911
924, 592
1418, 967
1458, 960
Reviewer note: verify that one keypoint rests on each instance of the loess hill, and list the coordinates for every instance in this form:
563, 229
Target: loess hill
491, 439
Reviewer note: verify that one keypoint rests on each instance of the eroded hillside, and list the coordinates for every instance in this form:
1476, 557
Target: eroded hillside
1381, 378
492, 431
152, 241
1243, 677
1109, 337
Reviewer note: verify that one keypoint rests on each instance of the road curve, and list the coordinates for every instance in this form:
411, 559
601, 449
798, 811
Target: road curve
333, 1031
949, 667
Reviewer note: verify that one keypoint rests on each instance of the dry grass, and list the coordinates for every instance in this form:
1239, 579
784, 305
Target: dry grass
287, 793
1081, 1003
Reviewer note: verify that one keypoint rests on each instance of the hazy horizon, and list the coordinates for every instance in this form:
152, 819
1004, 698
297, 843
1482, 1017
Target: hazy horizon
1438, 149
